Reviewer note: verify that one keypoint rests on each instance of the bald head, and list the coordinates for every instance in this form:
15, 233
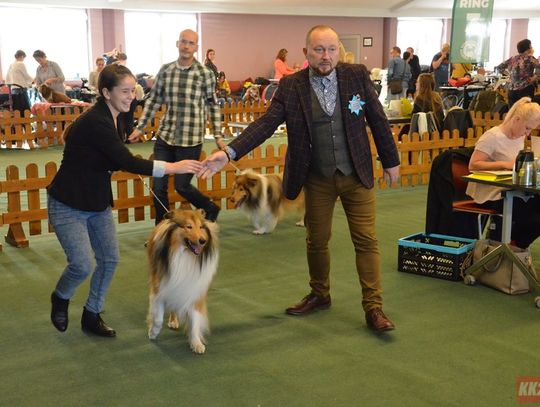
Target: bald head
189, 33
318, 28
187, 46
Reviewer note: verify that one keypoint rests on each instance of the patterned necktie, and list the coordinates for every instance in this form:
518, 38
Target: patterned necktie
329, 96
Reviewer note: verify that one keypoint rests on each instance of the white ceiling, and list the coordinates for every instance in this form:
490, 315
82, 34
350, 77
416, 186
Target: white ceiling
349, 8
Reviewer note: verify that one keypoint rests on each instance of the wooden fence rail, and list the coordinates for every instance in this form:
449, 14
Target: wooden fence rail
45, 129
133, 202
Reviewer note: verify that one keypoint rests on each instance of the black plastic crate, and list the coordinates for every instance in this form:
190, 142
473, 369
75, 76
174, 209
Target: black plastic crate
434, 255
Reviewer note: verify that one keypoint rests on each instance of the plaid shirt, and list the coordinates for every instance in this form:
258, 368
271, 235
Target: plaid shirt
187, 93
521, 68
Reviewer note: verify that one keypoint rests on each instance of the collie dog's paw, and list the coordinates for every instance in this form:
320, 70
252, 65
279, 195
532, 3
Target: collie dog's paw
259, 232
153, 334
300, 223
173, 321
198, 347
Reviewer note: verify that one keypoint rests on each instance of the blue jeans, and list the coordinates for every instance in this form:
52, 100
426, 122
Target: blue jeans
182, 182
85, 236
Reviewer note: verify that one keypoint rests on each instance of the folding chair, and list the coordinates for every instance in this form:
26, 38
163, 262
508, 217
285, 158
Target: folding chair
460, 168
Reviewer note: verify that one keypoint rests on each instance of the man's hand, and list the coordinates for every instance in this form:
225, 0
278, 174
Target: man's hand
183, 167
135, 136
220, 143
392, 174
213, 164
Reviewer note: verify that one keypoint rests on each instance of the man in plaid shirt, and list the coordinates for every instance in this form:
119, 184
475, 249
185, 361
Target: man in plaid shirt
187, 88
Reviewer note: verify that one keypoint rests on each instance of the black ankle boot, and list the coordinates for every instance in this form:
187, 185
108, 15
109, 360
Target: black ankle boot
59, 312
92, 323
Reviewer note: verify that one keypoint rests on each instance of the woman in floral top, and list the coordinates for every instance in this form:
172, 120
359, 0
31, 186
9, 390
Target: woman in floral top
521, 70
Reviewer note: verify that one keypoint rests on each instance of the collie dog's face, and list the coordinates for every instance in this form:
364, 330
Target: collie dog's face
244, 188
192, 230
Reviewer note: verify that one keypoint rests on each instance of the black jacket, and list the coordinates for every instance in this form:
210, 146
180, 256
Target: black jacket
439, 215
93, 150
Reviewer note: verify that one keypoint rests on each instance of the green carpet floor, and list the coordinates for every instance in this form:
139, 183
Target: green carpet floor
454, 345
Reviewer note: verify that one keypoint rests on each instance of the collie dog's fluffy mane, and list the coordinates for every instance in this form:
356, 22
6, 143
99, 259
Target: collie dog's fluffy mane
170, 236
183, 257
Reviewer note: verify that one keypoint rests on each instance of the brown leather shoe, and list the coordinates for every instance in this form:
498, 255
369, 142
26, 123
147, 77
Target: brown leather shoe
310, 303
377, 321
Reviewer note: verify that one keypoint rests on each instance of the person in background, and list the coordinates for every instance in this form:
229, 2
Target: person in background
414, 64
209, 61
281, 68
521, 69
344, 55
188, 89
121, 59
427, 100
223, 90
398, 69
80, 199
17, 73
461, 70
480, 76
93, 77
18, 80
326, 109
497, 149
440, 66
111, 57
48, 72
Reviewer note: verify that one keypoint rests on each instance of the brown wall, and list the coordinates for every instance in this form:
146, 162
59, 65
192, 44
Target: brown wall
247, 45
106, 32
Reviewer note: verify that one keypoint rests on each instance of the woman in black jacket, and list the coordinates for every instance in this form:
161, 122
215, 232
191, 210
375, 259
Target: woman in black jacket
80, 198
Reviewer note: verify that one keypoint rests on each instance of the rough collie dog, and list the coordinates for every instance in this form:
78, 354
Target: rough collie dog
183, 254
261, 197
53, 96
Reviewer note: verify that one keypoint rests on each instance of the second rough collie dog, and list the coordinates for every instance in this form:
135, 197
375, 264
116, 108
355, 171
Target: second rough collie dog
261, 197
183, 254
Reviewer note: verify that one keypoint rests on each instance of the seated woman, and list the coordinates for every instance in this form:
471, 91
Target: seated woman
427, 100
94, 75
497, 149
281, 68
223, 90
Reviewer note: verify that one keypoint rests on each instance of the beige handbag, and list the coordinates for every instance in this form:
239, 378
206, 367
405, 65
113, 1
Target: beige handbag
501, 273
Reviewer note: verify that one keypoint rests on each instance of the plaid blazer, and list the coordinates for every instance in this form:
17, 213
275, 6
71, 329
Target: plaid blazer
292, 104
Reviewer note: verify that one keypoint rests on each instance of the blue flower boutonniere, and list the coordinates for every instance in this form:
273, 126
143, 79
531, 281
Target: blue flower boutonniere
355, 104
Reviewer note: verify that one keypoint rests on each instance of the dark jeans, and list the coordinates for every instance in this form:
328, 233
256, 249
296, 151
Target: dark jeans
182, 182
515, 95
525, 220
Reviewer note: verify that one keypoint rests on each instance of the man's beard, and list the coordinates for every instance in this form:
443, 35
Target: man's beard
320, 73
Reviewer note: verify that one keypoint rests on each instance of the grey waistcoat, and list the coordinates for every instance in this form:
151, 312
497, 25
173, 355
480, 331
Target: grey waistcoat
330, 151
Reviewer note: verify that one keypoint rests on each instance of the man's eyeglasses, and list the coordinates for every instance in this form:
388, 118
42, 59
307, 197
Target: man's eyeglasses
190, 43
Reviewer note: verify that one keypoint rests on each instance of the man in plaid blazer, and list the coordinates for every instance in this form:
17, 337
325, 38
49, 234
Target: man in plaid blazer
325, 108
